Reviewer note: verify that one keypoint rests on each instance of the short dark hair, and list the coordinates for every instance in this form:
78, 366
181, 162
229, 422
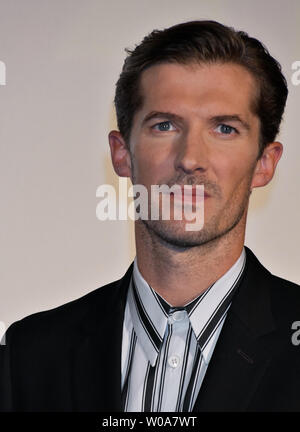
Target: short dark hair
204, 42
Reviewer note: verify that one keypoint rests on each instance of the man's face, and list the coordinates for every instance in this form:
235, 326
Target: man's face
196, 127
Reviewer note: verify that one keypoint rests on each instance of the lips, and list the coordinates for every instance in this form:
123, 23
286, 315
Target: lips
191, 191
190, 196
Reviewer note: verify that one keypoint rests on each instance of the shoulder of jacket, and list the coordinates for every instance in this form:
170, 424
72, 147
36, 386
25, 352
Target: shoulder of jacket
60, 319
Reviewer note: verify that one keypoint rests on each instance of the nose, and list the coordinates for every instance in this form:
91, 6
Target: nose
192, 153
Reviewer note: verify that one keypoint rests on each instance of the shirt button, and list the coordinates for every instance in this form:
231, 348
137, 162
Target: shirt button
179, 315
174, 361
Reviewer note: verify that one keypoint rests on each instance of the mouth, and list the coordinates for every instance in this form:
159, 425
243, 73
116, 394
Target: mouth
192, 193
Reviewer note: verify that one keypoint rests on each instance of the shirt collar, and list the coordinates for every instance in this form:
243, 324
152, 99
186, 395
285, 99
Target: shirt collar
211, 307
149, 316
150, 312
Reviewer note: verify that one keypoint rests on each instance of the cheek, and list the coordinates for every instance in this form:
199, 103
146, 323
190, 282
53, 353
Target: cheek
233, 173
152, 163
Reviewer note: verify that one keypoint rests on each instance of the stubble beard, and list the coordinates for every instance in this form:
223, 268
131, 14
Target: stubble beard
172, 233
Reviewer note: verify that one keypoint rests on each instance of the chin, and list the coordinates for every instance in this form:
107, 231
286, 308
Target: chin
177, 236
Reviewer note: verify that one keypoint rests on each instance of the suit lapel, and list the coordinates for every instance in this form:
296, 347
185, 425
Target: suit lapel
96, 360
236, 367
245, 346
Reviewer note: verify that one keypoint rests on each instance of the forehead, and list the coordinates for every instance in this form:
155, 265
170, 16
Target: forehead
202, 88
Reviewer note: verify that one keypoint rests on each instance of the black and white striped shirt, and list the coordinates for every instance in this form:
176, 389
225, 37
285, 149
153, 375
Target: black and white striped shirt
166, 350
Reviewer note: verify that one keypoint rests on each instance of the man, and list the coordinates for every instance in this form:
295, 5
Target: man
196, 323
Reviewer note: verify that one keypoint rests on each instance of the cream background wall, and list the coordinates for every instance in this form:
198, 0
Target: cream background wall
63, 58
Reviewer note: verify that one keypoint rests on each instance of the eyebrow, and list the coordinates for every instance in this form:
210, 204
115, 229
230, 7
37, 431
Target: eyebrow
213, 120
156, 114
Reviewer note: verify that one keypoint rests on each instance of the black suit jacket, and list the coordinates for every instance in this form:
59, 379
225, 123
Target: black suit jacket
69, 358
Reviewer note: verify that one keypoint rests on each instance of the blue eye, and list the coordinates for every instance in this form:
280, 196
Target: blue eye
226, 129
164, 126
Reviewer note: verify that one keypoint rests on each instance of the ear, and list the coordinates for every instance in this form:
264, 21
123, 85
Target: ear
120, 154
266, 165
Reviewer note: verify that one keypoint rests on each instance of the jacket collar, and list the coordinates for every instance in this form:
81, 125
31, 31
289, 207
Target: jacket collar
245, 346
252, 304
96, 364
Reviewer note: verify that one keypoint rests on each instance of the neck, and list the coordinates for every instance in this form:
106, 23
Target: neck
180, 275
